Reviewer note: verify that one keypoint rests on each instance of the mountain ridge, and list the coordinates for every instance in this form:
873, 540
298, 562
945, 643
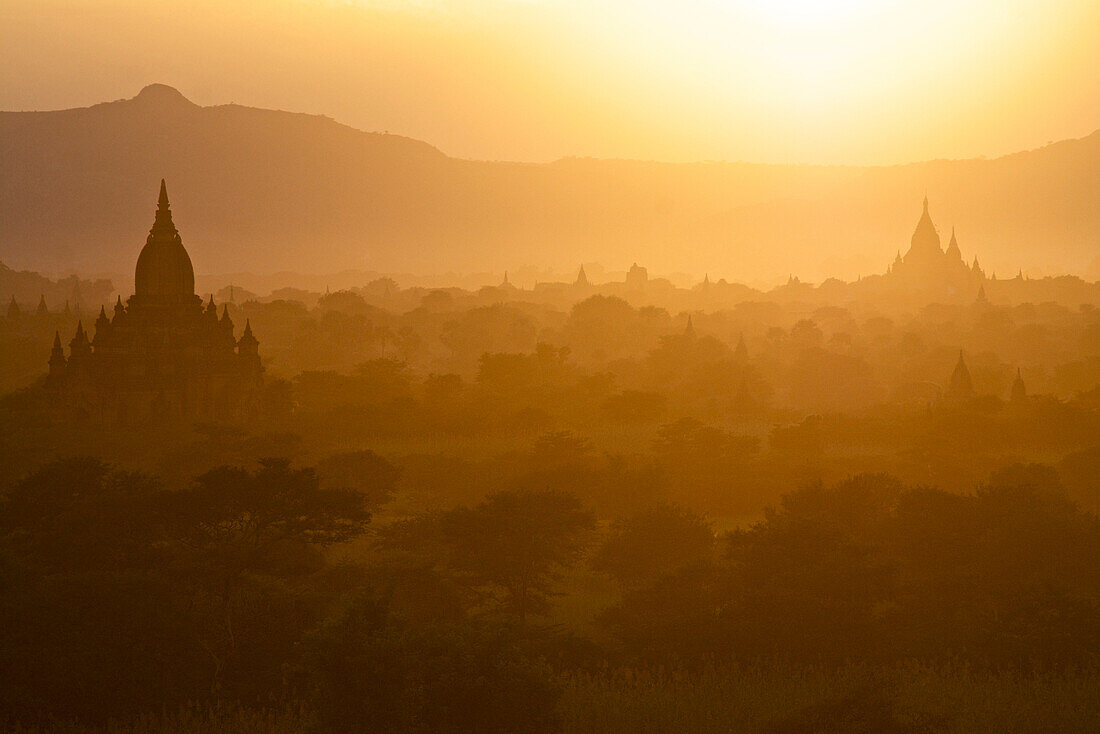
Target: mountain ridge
259, 189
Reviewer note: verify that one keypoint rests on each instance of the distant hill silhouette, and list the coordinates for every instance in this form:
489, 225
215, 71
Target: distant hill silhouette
29, 288
263, 190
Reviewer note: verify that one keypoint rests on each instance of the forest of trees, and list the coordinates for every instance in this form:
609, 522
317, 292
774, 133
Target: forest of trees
276, 587
457, 513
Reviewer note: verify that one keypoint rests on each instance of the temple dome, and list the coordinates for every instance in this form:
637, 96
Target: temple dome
164, 268
925, 243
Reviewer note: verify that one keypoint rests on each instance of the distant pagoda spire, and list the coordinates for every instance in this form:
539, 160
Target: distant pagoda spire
42, 309
80, 349
248, 353
953, 251
582, 278
57, 355
226, 323
13, 309
102, 325
248, 342
162, 220
960, 386
741, 352
689, 330
925, 242
1019, 391
981, 295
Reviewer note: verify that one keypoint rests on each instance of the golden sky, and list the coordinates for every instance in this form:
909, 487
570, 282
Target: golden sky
847, 81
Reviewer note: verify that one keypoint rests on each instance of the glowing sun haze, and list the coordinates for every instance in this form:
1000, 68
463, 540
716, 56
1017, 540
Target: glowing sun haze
840, 81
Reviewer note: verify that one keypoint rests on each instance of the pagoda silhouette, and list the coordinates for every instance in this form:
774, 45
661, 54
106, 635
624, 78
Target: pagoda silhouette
928, 269
162, 355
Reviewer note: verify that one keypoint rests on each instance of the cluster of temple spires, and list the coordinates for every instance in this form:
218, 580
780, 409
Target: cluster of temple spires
164, 276
15, 311
162, 354
218, 333
926, 243
961, 386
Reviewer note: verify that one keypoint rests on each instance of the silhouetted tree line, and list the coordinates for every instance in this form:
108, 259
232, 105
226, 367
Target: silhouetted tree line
481, 496
263, 586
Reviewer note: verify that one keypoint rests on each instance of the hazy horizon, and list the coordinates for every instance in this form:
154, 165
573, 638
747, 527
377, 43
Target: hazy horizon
263, 191
538, 81
977, 156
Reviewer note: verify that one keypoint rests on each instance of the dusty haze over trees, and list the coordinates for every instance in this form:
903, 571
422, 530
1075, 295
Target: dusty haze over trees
353, 435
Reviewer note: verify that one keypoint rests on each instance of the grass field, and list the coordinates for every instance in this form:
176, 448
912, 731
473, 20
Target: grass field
853, 700
856, 699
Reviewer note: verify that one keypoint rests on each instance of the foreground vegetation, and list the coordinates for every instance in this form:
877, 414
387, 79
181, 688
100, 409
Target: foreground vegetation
266, 599
634, 526
946, 699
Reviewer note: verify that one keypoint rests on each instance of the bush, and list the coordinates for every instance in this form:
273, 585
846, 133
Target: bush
368, 670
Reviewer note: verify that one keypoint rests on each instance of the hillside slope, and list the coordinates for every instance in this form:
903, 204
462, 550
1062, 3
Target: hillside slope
263, 190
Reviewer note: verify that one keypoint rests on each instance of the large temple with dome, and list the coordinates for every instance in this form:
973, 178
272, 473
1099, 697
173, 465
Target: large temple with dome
928, 268
163, 355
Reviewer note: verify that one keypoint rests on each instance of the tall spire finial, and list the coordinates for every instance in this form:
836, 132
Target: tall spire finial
926, 203
163, 228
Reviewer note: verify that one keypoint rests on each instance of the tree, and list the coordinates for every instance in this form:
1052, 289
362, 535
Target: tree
241, 519
559, 448
91, 624
364, 471
382, 380
509, 550
808, 581
805, 335
495, 328
653, 543
634, 406
237, 530
347, 301
81, 515
689, 440
369, 669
